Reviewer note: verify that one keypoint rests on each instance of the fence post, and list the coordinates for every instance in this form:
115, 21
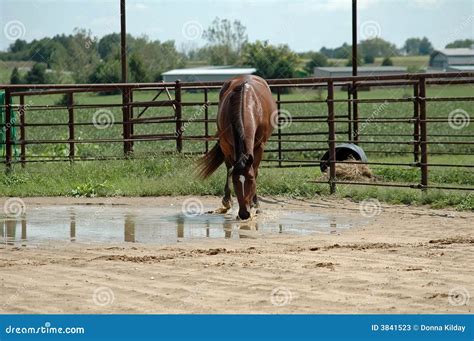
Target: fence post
349, 112
206, 118
279, 127
70, 109
178, 117
423, 133
8, 131
416, 126
355, 113
130, 118
22, 131
126, 120
331, 138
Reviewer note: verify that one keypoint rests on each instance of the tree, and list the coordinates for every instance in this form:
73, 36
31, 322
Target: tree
37, 74
15, 77
341, 52
137, 69
369, 59
18, 46
106, 72
417, 46
376, 47
425, 47
316, 59
269, 60
466, 43
387, 62
349, 60
226, 40
412, 46
109, 45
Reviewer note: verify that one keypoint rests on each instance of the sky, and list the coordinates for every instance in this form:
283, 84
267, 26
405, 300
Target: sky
302, 24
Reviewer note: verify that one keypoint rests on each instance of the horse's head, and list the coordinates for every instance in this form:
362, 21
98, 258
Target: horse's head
243, 177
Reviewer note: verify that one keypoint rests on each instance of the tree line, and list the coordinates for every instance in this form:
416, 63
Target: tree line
82, 58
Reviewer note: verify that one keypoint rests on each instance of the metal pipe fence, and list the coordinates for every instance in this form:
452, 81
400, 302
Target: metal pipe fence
403, 126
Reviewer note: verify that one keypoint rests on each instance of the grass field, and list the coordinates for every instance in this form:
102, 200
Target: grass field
161, 174
6, 68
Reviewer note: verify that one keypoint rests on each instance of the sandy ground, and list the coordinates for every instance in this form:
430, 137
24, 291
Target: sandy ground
405, 260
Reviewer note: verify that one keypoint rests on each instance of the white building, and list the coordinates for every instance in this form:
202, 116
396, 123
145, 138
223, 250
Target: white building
206, 74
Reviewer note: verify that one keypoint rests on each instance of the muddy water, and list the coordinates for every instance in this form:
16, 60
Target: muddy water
160, 225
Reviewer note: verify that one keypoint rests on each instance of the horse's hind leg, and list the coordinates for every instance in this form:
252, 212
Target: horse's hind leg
258, 154
227, 199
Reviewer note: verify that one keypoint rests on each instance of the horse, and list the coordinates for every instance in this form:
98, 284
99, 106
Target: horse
245, 121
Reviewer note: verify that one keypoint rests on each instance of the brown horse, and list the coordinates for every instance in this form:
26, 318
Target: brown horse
245, 121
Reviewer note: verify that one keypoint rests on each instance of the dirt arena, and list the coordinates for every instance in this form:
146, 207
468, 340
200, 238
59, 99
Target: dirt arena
400, 260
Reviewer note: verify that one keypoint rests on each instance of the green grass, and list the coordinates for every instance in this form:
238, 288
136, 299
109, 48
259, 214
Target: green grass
174, 175
6, 68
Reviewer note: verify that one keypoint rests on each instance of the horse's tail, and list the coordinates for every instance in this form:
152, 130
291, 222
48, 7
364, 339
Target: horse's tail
209, 163
237, 103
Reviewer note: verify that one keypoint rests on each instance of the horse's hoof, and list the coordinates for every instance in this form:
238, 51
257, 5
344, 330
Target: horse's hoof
221, 210
244, 215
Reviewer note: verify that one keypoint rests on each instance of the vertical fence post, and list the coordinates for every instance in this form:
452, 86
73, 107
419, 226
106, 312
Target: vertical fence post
206, 118
8, 130
423, 133
349, 113
416, 124
70, 109
279, 127
331, 138
126, 120
355, 113
22, 131
178, 117
130, 116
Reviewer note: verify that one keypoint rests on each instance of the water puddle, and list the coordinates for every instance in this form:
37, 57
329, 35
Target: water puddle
158, 225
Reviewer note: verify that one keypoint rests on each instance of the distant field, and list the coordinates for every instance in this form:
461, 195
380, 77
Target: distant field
6, 68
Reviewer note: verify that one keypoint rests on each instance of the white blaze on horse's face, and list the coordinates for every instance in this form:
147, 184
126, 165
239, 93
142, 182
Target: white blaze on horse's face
242, 181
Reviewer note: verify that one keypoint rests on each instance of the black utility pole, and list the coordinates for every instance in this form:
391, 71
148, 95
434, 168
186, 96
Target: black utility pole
355, 109
354, 37
123, 41
127, 114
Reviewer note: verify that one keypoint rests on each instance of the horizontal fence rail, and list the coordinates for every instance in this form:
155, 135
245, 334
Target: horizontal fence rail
315, 115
